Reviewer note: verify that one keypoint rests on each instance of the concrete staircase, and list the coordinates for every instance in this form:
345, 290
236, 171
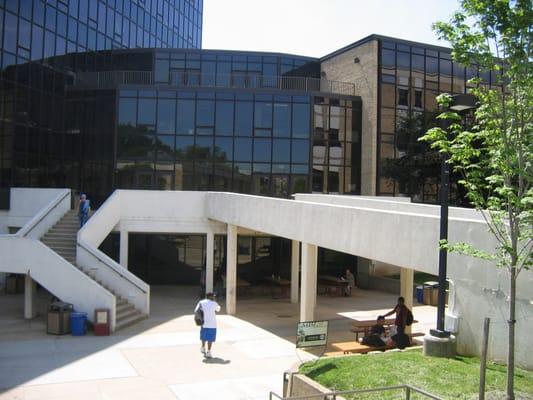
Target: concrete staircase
62, 239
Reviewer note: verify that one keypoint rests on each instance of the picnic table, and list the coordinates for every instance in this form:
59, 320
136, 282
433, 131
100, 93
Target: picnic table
364, 326
283, 284
333, 285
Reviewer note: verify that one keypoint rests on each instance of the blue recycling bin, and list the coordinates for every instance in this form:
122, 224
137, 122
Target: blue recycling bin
78, 323
420, 294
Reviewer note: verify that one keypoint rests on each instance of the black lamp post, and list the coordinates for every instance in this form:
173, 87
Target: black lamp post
460, 102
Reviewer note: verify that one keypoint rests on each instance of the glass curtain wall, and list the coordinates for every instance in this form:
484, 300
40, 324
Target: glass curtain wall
201, 140
411, 77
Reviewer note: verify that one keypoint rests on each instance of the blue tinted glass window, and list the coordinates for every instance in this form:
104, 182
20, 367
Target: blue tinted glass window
445, 67
49, 44
127, 114
73, 8
205, 113
282, 120
51, 18
300, 151
388, 59
184, 147
263, 115
24, 34
204, 148
262, 150
185, 117
62, 24
38, 12
281, 150
243, 118
25, 8
161, 70
10, 33
224, 149
166, 114
37, 45
72, 29
82, 34
83, 10
146, 112
243, 149
224, 118
300, 120
403, 60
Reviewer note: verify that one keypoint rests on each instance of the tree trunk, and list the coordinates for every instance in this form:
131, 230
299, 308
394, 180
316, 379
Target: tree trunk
510, 345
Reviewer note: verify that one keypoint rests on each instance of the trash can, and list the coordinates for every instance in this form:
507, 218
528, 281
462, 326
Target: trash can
58, 318
420, 294
78, 323
431, 293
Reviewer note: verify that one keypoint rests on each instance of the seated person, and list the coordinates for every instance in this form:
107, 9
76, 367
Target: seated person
378, 336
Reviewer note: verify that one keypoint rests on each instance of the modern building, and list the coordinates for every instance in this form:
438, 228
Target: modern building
103, 95
98, 97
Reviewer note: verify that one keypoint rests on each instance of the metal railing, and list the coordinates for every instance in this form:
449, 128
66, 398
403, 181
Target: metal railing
408, 390
191, 79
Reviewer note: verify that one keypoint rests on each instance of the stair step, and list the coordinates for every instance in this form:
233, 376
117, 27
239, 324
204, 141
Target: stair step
127, 313
121, 308
121, 324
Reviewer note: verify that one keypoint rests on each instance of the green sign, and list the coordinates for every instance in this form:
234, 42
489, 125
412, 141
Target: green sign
312, 334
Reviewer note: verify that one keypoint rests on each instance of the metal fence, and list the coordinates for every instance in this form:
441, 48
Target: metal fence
188, 79
407, 392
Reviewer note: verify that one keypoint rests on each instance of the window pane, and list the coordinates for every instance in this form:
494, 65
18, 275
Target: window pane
300, 151
223, 149
282, 120
281, 150
204, 148
205, 113
165, 116
161, 70
263, 115
165, 147
146, 112
185, 117
224, 122
243, 118
243, 149
184, 148
300, 120
262, 149
127, 112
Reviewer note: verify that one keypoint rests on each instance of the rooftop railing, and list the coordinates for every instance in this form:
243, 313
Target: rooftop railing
187, 79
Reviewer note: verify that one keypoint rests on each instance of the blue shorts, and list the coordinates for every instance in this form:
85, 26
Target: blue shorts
208, 334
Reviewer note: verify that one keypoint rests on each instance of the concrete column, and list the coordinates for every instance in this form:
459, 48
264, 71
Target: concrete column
231, 270
309, 270
406, 289
30, 296
123, 256
295, 270
209, 261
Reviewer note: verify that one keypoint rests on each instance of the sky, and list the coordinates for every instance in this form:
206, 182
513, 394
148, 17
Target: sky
315, 28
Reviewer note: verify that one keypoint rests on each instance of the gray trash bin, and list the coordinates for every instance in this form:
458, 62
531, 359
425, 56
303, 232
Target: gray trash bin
58, 319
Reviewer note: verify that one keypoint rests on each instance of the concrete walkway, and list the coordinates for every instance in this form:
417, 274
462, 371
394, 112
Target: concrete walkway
160, 358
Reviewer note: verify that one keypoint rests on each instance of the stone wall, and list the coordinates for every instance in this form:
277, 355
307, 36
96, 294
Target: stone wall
301, 385
364, 74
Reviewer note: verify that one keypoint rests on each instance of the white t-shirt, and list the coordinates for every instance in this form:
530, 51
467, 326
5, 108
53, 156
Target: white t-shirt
210, 308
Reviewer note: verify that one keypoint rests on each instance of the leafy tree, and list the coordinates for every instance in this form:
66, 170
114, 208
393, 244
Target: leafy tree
495, 156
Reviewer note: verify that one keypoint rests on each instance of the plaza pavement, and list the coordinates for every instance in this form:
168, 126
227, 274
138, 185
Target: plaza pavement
160, 357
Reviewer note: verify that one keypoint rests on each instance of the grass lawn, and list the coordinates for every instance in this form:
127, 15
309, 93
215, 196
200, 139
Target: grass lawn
448, 378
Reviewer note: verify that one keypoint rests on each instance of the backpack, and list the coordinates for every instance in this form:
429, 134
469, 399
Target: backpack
199, 316
409, 318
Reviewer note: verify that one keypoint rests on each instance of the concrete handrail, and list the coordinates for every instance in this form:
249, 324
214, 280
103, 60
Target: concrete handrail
24, 255
46, 217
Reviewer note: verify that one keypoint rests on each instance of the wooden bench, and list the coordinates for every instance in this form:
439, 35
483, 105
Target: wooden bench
358, 348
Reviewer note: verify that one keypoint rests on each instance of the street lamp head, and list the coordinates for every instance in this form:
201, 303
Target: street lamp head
462, 102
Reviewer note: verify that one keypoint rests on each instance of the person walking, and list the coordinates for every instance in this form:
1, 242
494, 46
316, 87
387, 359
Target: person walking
208, 331
83, 209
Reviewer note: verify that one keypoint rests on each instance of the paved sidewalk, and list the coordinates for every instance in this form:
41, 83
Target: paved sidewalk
160, 357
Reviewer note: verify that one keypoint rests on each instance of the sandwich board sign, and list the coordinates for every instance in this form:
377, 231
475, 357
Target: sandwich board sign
311, 334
